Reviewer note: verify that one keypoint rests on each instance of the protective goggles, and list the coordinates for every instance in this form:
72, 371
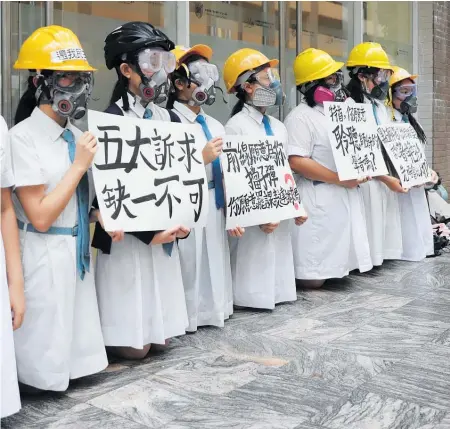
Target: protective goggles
267, 76
201, 71
151, 61
381, 76
405, 90
71, 81
335, 80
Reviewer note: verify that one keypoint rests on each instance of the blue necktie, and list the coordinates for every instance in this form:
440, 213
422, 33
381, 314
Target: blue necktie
374, 108
217, 172
148, 114
168, 247
267, 126
83, 256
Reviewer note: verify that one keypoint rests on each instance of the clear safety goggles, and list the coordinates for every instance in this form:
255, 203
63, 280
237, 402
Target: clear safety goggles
153, 60
381, 76
71, 81
335, 80
405, 90
267, 76
201, 71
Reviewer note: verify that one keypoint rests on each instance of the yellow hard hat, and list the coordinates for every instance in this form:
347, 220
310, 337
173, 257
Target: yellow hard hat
181, 52
369, 54
313, 64
52, 48
241, 61
399, 75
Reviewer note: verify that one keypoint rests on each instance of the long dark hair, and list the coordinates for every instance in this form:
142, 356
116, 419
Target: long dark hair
120, 91
28, 102
181, 74
354, 87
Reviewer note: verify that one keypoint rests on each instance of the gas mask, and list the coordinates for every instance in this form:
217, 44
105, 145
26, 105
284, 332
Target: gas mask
330, 89
381, 82
154, 67
406, 93
67, 92
269, 92
205, 76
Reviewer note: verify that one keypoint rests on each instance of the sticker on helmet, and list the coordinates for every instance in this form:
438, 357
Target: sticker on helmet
67, 55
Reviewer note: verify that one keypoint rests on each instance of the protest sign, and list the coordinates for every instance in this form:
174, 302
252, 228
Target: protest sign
148, 175
406, 153
259, 184
354, 140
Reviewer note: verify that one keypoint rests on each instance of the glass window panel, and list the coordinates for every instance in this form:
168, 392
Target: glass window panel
228, 26
390, 24
325, 25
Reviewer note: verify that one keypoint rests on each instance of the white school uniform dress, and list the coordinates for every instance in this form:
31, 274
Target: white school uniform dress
382, 210
139, 287
262, 265
417, 232
334, 240
60, 338
9, 389
205, 255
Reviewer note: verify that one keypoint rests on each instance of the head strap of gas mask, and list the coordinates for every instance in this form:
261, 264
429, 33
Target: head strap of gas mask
68, 102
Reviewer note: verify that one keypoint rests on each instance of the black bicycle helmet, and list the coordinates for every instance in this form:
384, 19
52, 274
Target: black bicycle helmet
131, 38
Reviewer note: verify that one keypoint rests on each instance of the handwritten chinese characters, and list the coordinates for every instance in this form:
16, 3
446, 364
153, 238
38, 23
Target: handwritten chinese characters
406, 152
148, 175
258, 181
354, 140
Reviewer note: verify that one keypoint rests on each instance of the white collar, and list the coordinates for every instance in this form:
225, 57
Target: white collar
135, 105
255, 114
48, 125
186, 112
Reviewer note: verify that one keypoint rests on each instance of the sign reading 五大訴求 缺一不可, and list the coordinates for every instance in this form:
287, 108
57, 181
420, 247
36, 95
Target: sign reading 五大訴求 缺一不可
406, 153
352, 130
148, 175
259, 185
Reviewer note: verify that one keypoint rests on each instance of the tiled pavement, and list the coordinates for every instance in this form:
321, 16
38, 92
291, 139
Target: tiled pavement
368, 352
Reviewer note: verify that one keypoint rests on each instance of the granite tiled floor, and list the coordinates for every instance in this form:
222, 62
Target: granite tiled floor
368, 352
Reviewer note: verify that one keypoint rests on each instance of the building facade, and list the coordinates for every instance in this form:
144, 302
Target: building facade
416, 36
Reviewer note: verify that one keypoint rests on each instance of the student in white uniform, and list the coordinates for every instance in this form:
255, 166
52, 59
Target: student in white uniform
334, 240
369, 70
415, 215
205, 255
61, 337
139, 283
12, 299
262, 263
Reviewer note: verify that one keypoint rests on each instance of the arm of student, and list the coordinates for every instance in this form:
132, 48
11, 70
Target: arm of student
312, 170
10, 235
43, 209
392, 183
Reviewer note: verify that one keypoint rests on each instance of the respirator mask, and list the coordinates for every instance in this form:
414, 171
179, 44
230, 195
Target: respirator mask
269, 92
381, 81
154, 67
407, 94
205, 76
328, 89
67, 92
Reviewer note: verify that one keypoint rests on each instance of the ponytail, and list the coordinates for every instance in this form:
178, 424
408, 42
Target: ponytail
27, 102
417, 128
240, 94
120, 91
